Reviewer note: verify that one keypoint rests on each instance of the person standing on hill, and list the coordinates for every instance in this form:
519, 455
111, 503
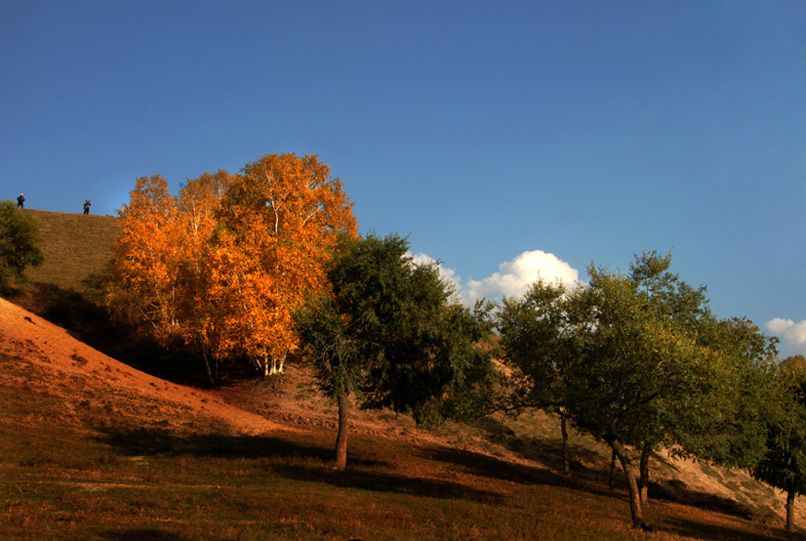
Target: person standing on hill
87, 206
21, 201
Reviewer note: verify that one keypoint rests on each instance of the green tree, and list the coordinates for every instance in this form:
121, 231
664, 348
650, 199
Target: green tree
388, 335
645, 365
539, 339
784, 463
659, 370
19, 243
740, 395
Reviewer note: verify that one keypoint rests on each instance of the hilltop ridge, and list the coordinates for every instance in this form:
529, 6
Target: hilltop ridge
78, 250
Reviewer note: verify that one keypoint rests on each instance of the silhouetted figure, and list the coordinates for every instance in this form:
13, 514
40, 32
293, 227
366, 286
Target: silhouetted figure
87, 206
21, 201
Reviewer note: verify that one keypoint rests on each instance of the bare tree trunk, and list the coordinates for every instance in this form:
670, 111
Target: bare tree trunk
643, 468
207, 366
277, 363
564, 430
612, 470
632, 485
790, 510
341, 439
262, 364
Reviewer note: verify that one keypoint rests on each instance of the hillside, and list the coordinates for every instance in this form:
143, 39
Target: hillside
77, 249
92, 448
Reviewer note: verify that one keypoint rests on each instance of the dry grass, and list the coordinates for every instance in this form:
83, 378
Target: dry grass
92, 450
77, 249
86, 455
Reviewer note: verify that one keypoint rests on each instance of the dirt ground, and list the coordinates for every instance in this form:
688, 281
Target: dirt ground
292, 403
27, 336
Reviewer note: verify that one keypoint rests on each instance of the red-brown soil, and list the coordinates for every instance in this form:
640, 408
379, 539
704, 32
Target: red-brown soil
41, 356
59, 358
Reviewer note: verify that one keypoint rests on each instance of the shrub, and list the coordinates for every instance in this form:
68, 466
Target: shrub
19, 243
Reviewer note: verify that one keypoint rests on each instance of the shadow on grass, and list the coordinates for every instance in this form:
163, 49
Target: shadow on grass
493, 468
677, 491
550, 453
698, 530
295, 460
546, 451
142, 535
384, 481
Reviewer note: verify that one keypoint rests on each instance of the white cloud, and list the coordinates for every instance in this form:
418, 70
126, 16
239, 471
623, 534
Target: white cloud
515, 276
794, 334
511, 280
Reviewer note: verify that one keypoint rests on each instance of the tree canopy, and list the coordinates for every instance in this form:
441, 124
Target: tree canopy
387, 335
644, 365
222, 266
277, 224
540, 340
784, 462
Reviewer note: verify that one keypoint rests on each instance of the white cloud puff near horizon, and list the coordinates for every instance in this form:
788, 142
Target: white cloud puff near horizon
513, 277
794, 334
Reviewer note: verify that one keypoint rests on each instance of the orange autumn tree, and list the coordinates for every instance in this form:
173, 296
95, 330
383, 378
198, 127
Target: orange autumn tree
142, 285
199, 200
219, 269
158, 275
278, 223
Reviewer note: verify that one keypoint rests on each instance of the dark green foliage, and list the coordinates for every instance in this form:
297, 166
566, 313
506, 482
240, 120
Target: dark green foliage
639, 361
390, 335
737, 398
784, 463
19, 243
335, 355
539, 339
659, 368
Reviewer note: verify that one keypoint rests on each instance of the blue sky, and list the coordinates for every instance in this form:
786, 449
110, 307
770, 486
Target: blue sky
505, 138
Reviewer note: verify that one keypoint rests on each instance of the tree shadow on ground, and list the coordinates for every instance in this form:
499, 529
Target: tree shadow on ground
157, 441
699, 530
549, 453
545, 451
487, 466
143, 534
677, 491
494, 468
296, 460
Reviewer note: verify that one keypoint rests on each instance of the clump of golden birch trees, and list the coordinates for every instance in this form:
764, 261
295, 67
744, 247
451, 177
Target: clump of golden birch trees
221, 268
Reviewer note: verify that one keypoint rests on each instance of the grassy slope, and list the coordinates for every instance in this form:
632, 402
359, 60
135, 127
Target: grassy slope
81, 460
77, 250
67, 289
